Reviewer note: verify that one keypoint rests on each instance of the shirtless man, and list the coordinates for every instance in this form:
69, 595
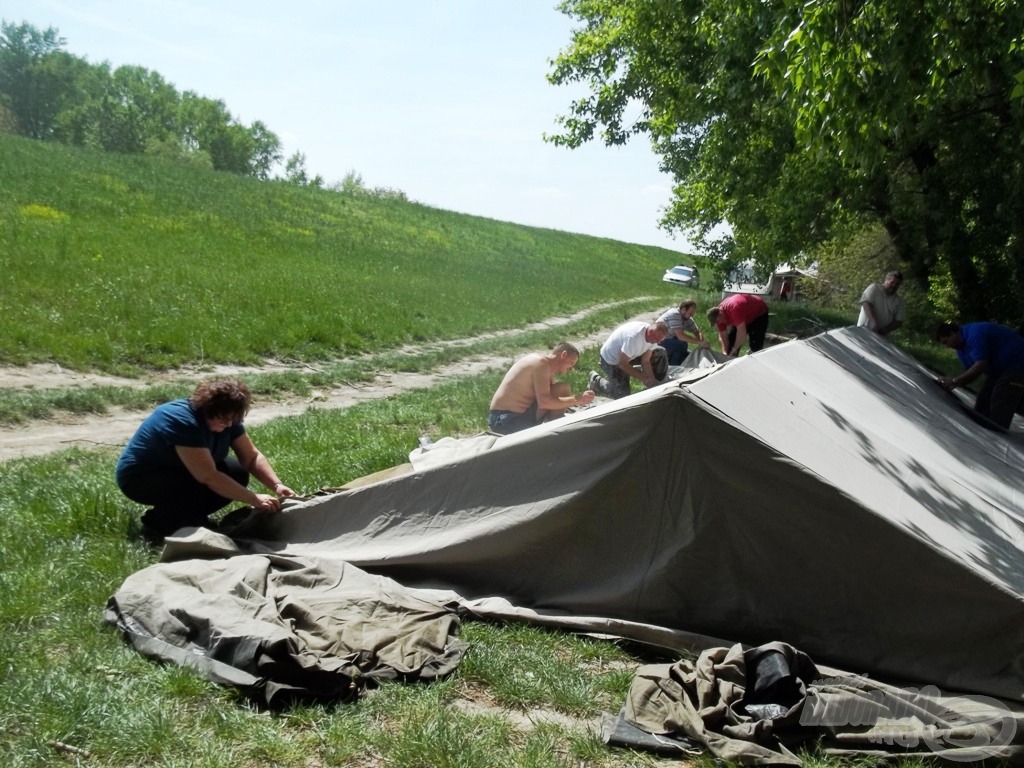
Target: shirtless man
529, 394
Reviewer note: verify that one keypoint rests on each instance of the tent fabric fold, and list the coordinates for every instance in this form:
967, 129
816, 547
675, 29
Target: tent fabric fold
286, 628
766, 705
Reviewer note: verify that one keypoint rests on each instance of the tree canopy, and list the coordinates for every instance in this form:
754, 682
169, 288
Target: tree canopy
49, 94
797, 123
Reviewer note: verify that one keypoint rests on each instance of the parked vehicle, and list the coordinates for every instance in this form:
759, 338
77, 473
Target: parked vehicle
681, 274
783, 284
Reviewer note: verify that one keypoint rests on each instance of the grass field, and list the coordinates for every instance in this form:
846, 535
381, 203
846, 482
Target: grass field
124, 265
115, 263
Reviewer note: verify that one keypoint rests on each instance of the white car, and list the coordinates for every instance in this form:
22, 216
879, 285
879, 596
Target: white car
682, 275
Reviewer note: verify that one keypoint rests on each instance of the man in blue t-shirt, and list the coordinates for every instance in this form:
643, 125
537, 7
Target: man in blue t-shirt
997, 352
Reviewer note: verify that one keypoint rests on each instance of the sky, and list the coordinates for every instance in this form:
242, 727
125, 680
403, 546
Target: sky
445, 100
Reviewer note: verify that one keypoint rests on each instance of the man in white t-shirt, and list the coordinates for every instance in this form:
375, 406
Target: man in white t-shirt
881, 308
628, 354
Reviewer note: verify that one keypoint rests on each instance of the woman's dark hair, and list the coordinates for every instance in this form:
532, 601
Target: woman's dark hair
217, 399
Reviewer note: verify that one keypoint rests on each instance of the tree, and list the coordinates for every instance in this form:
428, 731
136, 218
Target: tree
31, 95
77, 122
352, 183
206, 125
295, 172
138, 107
266, 150
792, 121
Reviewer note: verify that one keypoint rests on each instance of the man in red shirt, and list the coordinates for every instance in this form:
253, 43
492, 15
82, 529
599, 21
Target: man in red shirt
737, 318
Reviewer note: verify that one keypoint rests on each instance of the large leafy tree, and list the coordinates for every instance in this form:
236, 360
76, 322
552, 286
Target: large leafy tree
207, 126
138, 107
797, 122
266, 150
31, 88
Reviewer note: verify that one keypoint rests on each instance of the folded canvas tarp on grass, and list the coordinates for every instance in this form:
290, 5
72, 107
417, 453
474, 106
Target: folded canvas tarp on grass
825, 493
282, 628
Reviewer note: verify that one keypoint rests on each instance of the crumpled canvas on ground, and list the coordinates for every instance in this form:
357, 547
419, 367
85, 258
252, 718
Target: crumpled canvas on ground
765, 705
285, 628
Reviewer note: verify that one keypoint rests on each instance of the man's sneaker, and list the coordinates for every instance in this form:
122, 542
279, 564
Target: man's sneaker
594, 383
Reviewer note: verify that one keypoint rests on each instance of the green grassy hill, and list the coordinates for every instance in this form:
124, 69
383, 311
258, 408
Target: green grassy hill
119, 262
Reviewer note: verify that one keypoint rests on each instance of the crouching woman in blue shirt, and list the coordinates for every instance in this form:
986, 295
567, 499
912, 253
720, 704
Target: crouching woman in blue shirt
177, 462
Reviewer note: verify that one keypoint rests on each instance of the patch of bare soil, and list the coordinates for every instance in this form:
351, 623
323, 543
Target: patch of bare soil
117, 426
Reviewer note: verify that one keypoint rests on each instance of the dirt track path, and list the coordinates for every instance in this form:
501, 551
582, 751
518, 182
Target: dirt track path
116, 426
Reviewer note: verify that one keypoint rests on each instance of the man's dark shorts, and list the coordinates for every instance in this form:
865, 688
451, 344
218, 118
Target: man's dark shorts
507, 422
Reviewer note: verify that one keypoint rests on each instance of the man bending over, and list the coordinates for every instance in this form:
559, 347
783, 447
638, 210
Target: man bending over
738, 318
629, 353
529, 394
992, 350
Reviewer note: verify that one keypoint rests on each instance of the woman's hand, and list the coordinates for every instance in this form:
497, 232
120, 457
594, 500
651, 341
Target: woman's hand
267, 503
284, 491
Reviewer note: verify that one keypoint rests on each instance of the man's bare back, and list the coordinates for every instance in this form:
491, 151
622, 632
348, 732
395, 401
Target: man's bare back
519, 389
530, 384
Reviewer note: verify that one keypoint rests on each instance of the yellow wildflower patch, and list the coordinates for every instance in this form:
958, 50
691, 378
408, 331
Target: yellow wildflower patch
35, 211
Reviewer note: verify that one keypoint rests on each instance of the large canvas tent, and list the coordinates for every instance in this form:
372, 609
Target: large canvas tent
824, 493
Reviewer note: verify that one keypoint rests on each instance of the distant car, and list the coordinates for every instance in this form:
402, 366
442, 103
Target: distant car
683, 275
